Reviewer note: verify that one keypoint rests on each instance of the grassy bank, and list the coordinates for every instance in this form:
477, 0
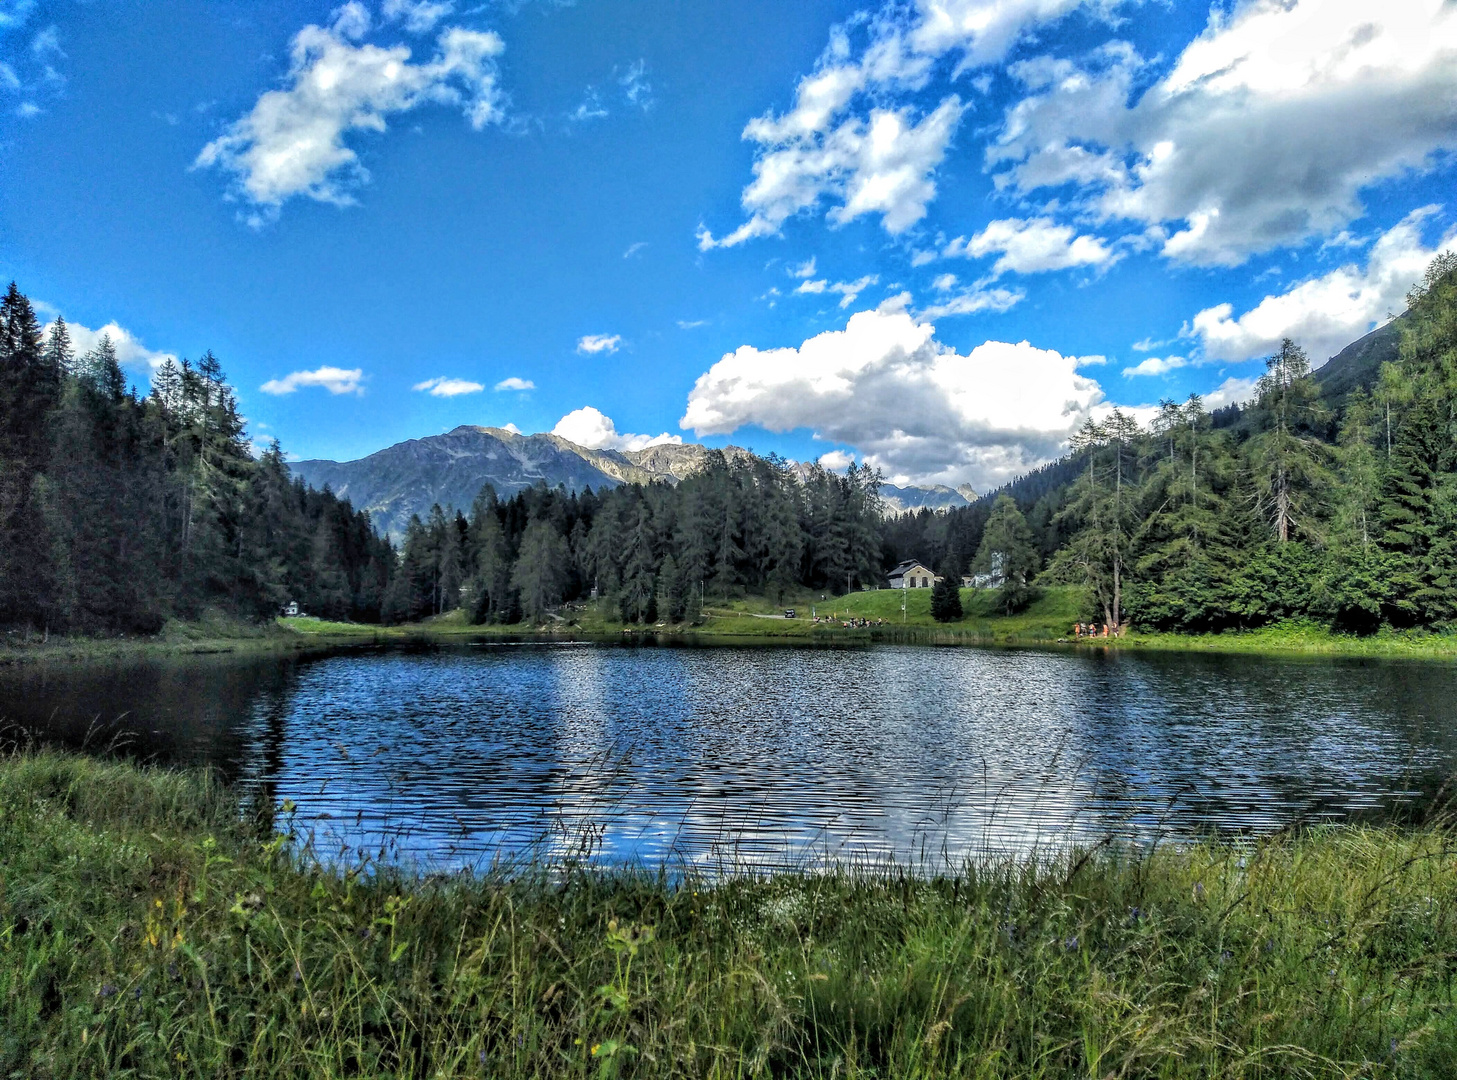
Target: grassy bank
1047, 621
147, 929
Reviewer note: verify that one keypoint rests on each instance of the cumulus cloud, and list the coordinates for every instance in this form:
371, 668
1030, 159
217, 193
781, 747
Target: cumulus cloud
913, 406
293, 140
335, 380
515, 383
590, 428
130, 353
1233, 391
598, 343
1156, 365
1263, 133
419, 16
448, 387
837, 460
849, 291
984, 31
1326, 313
841, 143
879, 164
1031, 246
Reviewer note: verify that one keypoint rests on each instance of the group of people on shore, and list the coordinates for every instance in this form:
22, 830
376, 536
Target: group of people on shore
1082, 630
849, 624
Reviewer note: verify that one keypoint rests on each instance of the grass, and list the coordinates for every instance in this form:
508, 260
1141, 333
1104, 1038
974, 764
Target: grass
150, 928
743, 620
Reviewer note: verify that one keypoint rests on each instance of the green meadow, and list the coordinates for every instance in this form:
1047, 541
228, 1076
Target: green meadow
152, 925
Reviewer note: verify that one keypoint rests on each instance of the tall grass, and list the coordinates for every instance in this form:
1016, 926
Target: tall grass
148, 927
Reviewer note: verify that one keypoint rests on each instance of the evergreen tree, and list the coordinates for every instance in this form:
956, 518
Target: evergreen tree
1287, 457
945, 600
540, 573
1007, 556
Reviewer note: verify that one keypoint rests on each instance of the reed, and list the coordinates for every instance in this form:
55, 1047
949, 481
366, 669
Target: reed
151, 926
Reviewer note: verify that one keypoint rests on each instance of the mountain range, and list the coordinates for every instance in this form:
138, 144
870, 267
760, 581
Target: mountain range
450, 469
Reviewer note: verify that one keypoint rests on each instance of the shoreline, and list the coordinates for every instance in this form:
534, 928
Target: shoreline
178, 928
739, 625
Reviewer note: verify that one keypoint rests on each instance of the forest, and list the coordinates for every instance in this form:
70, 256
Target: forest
119, 511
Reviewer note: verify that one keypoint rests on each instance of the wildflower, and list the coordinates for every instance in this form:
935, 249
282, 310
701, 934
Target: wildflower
107, 990
1070, 944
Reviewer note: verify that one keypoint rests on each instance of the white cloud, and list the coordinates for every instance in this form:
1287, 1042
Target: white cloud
591, 108
837, 460
691, 324
515, 383
599, 343
1263, 134
969, 301
633, 249
1232, 391
1326, 313
448, 387
805, 269
1155, 365
849, 290
419, 16
130, 353
588, 427
984, 30
911, 405
293, 140
1031, 246
872, 158
335, 380
635, 86
880, 164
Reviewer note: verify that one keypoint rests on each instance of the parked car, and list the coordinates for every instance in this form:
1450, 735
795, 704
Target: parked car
789, 613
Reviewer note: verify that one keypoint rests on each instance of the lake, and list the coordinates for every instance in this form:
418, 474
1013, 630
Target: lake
723, 757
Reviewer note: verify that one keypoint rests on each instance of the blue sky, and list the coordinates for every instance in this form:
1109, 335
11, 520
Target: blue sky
933, 236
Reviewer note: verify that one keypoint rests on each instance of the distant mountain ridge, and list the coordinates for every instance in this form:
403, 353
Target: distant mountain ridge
450, 469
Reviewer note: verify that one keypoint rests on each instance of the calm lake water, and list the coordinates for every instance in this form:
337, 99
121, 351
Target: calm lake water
720, 757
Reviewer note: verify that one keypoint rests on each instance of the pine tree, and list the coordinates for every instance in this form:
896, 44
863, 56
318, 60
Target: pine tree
1287, 457
1007, 555
945, 599
540, 572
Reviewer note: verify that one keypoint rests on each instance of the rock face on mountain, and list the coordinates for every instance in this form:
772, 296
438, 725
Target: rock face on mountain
907, 500
409, 477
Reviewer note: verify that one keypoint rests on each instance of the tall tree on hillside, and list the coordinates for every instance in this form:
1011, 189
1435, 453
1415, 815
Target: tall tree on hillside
1007, 555
1102, 507
540, 574
1287, 456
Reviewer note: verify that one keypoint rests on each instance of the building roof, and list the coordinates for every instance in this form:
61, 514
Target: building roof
907, 565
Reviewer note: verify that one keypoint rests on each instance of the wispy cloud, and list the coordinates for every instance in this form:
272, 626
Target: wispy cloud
333, 379
633, 249
635, 86
849, 290
443, 386
691, 324
515, 383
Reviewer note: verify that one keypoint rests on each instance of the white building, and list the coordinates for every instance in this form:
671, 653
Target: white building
911, 575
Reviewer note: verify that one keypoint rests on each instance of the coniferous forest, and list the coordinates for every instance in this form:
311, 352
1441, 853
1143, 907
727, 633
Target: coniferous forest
118, 512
